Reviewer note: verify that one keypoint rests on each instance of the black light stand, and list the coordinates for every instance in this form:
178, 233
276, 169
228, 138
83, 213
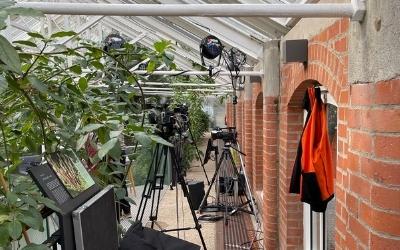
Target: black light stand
155, 183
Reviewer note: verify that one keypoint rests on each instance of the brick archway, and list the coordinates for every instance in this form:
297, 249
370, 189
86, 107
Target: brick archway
328, 66
258, 142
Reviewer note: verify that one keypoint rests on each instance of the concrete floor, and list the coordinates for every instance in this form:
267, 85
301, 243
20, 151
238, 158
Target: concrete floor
167, 217
167, 211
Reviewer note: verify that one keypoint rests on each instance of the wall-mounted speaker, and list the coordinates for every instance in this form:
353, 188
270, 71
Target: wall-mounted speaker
295, 51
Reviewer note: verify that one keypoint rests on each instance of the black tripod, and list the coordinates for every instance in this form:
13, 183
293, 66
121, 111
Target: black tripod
228, 158
162, 156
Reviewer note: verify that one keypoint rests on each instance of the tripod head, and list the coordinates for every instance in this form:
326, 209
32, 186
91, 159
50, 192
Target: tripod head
228, 134
170, 122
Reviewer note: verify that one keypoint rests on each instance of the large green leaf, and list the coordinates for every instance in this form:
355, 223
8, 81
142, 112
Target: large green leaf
28, 200
98, 65
3, 218
26, 43
83, 84
38, 84
120, 192
142, 138
160, 140
115, 134
81, 141
115, 152
3, 84
76, 69
12, 198
9, 56
42, 88
35, 35
63, 34
32, 218
14, 229
3, 18
107, 147
162, 45
91, 127
151, 66
48, 203
4, 236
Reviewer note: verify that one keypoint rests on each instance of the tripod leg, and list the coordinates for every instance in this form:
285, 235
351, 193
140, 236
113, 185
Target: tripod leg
212, 182
163, 164
245, 187
182, 182
147, 186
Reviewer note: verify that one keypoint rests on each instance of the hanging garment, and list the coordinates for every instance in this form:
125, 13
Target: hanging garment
312, 175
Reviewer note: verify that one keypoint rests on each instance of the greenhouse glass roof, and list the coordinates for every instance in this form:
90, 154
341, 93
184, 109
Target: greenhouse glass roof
248, 34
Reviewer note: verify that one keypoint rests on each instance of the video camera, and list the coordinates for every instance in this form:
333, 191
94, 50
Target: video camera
228, 134
169, 121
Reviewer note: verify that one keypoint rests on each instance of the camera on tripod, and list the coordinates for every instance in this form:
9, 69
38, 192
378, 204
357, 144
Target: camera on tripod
170, 121
226, 134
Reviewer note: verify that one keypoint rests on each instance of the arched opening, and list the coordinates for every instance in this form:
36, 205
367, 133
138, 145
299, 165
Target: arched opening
258, 144
317, 228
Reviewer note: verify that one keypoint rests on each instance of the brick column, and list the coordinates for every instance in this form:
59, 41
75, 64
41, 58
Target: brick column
371, 179
239, 119
270, 143
257, 136
248, 131
228, 113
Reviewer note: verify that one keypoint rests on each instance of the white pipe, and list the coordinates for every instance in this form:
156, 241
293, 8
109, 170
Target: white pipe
211, 10
198, 73
181, 84
155, 92
171, 94
197, 90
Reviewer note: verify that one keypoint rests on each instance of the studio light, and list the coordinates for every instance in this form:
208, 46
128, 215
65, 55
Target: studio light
211, 48
113, 41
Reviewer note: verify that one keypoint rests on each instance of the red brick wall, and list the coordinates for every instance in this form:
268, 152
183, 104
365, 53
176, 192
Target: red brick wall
239, 119
229, 112
257, 103
248, 138
369, 179
270, 178
368, 150
327, 64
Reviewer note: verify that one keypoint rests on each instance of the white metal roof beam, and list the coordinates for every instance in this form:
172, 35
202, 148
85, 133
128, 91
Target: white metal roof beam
211, 10
230, 22
129, 28
168, 31
228, 35
182, 58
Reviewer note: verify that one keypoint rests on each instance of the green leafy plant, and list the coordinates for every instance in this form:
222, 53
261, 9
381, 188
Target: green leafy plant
56, 96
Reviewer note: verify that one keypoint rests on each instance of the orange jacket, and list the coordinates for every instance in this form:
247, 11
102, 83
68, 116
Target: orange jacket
314, 179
